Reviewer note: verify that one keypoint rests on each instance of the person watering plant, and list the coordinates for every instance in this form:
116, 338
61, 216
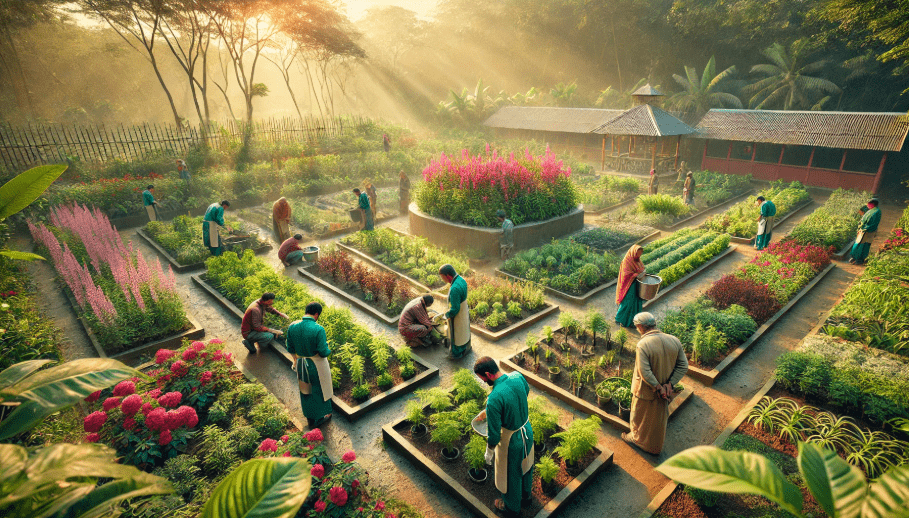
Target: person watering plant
252, 327
366, 221
307, 343
404, 192
626, 293
415, 325
290, 251
458, 314
506, 244
660, 363
280, 219
866, 231
510, 441
212, 224
764, 223
688, 189
151, 206
654, 185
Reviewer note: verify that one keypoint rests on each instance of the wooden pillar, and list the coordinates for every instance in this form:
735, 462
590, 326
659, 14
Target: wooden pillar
753, 151
808, 167
783, 150
653, 157
703, 158
678, 141
611, 145
843, 161
603, 154
631, 146
729, 153
879, 175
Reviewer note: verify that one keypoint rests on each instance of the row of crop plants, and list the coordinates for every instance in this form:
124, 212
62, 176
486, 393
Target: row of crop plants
181, 238
739, 220
834, 223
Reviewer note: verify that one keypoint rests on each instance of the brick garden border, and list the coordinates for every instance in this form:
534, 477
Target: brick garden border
350, 412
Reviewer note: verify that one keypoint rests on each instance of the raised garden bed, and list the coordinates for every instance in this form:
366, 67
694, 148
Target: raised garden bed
614, 236
682, 252
350, 408
687, 278
478, 498
779, 221
734, 199
740, 220
833, 224
259, 248
500, 307
562, 385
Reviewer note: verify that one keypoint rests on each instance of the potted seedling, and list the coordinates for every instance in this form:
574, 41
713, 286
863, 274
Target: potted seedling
622, 397
417, 418
597, 324
446, 430
554, 372
543, 423
474, 455
547, 469
604, 394
577, 441
549, 354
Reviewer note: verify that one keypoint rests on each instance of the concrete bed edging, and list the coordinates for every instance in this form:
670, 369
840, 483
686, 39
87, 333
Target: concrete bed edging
129, 355
709, 377
748, 241
580, 404
691, 275
472, 503
350, 412
183, 268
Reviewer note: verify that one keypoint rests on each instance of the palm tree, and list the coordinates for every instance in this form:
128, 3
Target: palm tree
563, 94
788, 83
612, 98
699, 94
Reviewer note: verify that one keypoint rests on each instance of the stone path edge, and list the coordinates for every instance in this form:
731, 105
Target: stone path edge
708, 377
129, 355
350, 412
183, 268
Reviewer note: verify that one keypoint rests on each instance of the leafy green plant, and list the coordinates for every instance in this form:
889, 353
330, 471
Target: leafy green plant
360, 392
495, 319
437, 398
385, 381
275, 487
564, 265
514, 309
622, 396
707, 344
663, 204
542, 420
466, 386
547, 469
547, 332
839, 488
578, 440
475, 451
415, 413
596, 323
446, 429
739, 220
620, 337
22, 191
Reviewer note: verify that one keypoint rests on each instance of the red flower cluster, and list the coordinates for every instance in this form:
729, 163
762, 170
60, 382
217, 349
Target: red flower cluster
269, 445
179, 369
131, 405
338, 496
313, 435
206, 377
317, 471
125, 388
190, 354
171, 399
163, 355
790, 252
94, 421
319, 506
110, 403
93, 396
8, 294
350, 456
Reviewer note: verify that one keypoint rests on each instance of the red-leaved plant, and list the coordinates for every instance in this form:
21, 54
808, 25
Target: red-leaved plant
756, 298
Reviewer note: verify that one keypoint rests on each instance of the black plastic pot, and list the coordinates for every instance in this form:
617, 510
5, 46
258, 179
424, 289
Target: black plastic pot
539, 449
625, 413
548, 487
450, 454
478, 476
418, 430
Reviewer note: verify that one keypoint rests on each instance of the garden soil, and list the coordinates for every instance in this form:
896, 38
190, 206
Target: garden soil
624, 489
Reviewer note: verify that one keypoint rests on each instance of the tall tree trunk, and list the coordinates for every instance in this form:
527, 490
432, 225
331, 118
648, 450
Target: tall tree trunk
17, 76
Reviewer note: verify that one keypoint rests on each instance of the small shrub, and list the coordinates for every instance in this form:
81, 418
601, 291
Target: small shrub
466, 386
622, 395
408, 371
514, 309
547, 469
269, 417
245, 437
475, 451
183, 473
385, 381
437, 398
415, 413
707, 344
542, 421
360, 392
496, 319
756, 298
218, 454
481, 309
578, 439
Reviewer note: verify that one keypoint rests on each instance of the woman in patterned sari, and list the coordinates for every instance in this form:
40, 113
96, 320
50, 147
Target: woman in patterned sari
626, 293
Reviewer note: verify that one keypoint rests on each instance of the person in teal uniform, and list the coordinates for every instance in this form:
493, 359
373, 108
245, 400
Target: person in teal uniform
866, 232
307, 343
151, 206
764, 223
212, 224
510, 441
365, 210
458, 314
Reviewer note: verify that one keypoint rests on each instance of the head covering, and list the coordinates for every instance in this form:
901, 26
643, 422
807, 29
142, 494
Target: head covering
689, 173
629, 269
500, 213
645, 319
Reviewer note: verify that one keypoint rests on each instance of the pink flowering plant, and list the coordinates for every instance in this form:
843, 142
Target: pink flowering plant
124, 299
342, 491
304, 445
469, 188
786, 267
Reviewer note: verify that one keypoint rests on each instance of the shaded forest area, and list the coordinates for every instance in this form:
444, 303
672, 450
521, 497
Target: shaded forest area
194, 60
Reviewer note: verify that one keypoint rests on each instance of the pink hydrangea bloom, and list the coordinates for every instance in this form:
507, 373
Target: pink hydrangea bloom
131, 404
93, 396
92, 437
189, 416
285, 438
125, 388
156, 420
338, 496
170, 400
319, 506
206, 377
110, 403
269, 445
190, 354
129, 423
317, 471
216, 341
94, 421
146, 408
286, 454
197, 346
165, 438
154, 394
380, 506
179, 369
163, 355
350, 456
314, 435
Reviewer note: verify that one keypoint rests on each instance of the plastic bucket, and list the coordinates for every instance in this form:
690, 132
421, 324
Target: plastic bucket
355, 215
311, 254
649, 286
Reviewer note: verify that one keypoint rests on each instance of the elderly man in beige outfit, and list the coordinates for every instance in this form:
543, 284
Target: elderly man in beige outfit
660, 364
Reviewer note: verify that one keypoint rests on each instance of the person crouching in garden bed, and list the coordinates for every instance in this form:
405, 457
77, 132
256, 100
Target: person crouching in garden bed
626, 292
252, 327
290, 251
415, 325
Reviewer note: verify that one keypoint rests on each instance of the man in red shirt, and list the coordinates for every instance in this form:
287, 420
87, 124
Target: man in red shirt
290, 251
253, 328
415, 325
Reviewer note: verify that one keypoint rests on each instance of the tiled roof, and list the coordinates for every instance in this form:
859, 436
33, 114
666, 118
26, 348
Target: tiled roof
841, 130
645, 120
541, 118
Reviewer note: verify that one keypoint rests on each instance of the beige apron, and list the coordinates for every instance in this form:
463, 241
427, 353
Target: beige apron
502, 457
765, 225
460, 326
152, 212
324, 371
865, 237
214, 234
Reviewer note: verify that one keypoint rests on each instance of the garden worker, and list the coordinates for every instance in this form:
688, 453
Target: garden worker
659, 365
688, 189
183, 169
151, 206
290, 251
307, 343
373, 198
765, 223
366, 221
654, 185
415, 325
626, 292
280, 219
386, 143
253, 328
458, 314
404, 192
866, 232
506, 244
510, 440
212, 224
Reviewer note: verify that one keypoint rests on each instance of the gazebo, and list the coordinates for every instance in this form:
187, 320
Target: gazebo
643, 125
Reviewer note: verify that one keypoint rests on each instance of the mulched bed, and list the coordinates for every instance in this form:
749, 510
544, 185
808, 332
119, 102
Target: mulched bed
510, 320
623, 360
394, 368
353, 289
487, 492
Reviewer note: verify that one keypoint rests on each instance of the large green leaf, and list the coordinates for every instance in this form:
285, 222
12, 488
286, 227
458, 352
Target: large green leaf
21, 256
48, 391
712, 469
98, 503
261, 488
19, 371
888, 496
25, 188
837, 486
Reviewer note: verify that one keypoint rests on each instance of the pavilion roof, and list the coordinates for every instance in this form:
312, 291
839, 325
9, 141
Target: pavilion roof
648, 91
542, 118
645, 120
878, 131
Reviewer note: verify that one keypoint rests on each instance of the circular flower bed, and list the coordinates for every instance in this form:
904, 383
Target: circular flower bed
470, 189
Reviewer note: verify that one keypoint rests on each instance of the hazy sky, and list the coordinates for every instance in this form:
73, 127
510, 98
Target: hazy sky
357, 8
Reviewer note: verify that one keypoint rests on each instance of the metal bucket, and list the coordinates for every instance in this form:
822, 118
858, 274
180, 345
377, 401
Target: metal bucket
649, 287
355, 214
311, 254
